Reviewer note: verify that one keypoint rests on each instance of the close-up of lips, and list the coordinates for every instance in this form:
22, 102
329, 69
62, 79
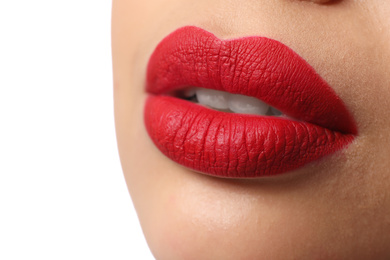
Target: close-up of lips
255, 130
316, 122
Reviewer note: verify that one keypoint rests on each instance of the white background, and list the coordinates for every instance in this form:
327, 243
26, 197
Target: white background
62, 193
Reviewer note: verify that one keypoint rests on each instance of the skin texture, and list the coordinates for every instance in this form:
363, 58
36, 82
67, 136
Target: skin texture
334, 208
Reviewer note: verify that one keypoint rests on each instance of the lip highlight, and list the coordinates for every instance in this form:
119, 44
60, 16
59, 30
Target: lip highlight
238, 145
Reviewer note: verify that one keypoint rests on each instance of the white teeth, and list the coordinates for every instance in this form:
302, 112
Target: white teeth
213, 98
231, 102
274, 112
247, 105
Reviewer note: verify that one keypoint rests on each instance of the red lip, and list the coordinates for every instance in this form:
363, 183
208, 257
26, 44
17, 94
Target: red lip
238, 145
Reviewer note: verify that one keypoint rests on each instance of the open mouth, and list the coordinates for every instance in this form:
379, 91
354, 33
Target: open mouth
241, 108
226, 102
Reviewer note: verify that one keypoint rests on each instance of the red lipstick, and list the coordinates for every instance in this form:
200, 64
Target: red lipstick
239, 145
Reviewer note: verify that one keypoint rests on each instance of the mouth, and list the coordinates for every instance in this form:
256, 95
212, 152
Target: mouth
227, 102
241, 108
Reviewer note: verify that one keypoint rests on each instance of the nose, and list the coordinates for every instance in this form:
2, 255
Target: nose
320, 1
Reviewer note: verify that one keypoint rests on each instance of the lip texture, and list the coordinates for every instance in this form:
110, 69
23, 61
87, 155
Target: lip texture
237, 145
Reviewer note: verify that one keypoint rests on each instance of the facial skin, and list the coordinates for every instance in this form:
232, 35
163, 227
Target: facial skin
334, 208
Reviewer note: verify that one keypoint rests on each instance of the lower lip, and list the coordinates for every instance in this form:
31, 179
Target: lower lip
235, 145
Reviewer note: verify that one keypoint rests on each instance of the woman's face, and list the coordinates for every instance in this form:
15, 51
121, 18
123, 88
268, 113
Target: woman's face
336, 207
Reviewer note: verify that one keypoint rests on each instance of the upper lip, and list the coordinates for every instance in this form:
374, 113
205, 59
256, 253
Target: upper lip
252, 66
